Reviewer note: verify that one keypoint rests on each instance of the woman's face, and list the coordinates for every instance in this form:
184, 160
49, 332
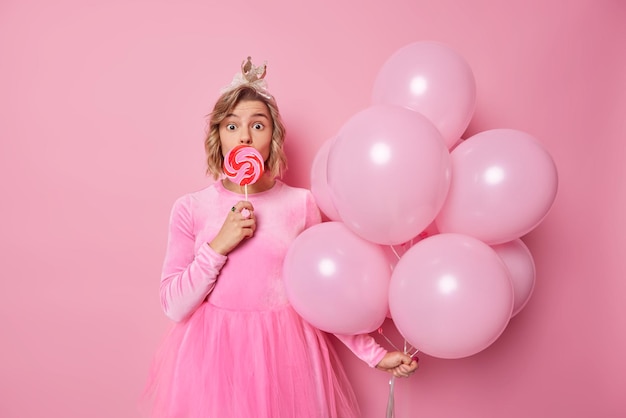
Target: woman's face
249, 123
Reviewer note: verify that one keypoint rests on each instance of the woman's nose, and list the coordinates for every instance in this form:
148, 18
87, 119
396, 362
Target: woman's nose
245, 137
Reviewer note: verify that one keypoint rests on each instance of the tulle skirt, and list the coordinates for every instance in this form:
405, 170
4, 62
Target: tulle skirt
226, 363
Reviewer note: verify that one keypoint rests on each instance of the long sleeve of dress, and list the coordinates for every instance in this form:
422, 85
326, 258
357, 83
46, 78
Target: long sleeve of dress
188, 276
364, 347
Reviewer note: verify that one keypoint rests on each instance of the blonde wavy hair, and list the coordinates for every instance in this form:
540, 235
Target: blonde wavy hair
276, 163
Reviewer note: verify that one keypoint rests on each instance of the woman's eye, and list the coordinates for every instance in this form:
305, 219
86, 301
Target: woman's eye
257, 126
230, 127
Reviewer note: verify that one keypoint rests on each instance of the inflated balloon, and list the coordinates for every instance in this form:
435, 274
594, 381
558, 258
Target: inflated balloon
337, 281
519, 261
433, 79
319, 183
450, 296
504, 183
388, 173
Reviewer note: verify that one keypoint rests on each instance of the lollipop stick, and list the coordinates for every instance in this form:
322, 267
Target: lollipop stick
245, 212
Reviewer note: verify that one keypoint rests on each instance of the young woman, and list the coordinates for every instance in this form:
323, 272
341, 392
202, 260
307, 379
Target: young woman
238, 349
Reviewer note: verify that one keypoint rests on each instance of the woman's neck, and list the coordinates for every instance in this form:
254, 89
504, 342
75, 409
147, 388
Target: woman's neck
263, 184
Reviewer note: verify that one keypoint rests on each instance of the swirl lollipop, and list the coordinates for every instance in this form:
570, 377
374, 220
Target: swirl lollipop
243, 165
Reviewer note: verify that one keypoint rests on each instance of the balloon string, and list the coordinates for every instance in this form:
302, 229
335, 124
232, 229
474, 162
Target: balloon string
394, 251
392, 383
407, 347
391, 400
380, 331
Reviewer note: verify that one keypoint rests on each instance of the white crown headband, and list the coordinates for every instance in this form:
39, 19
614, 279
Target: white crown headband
252, 76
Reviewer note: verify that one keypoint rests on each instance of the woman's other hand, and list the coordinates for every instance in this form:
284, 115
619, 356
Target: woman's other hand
398, 364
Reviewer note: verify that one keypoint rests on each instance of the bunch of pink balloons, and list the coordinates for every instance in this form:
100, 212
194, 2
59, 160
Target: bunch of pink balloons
398, 180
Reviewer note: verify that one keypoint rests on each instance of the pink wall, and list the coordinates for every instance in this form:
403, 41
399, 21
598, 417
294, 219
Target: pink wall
102, 107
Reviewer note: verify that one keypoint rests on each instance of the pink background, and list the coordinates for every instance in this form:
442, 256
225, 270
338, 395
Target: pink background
102, 116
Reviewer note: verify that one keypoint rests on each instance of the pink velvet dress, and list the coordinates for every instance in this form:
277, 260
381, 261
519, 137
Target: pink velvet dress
238, 349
